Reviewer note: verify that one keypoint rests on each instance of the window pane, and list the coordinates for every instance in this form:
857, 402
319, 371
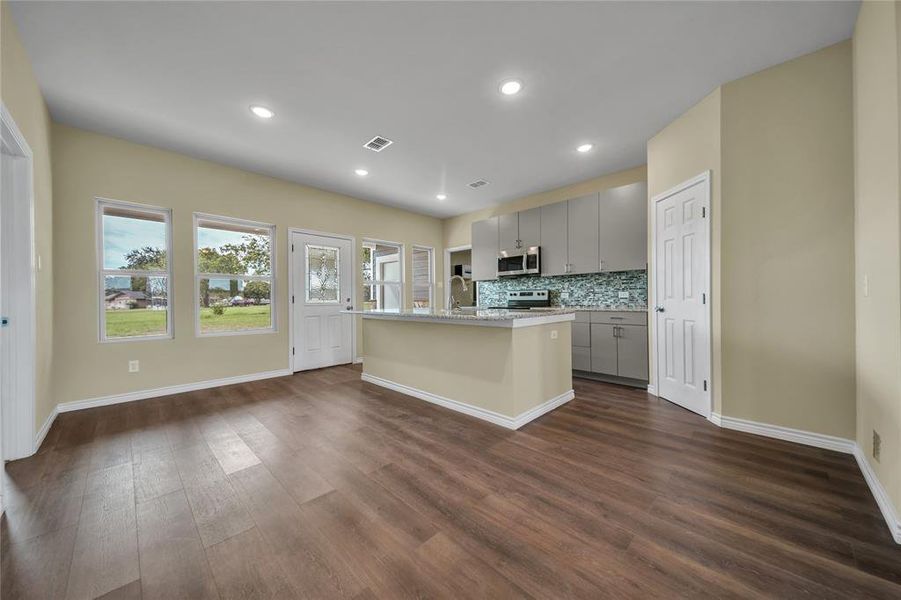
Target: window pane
133, 240
232, 249
422, 266
422, 296
382, 297
135, 306
234, 305
322, 274
383, 262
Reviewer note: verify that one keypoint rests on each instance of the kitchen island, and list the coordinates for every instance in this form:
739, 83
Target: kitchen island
506, 367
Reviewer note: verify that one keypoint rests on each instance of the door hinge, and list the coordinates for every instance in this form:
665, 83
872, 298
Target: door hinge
705, 385
292, 350
703, 298
292, 247
292, 298
703, 211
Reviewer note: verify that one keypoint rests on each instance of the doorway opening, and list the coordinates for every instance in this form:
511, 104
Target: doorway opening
458, 262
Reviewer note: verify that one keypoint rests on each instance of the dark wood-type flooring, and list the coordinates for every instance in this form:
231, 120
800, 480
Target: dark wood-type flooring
321, 486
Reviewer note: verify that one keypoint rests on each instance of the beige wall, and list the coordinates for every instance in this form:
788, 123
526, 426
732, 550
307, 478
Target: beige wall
787, 245
87, 165
23, 99
457, 229
687, 147
877, 164
778, 144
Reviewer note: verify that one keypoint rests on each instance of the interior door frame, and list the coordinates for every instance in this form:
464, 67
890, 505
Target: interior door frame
19, 436
447, 274
705, 178
353, 287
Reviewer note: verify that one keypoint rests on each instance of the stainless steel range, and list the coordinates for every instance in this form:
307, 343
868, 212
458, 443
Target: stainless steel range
528, 299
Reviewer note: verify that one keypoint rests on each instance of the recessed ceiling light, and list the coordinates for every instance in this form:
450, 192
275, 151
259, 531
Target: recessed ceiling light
511, 87
261, 111
441, 196
361, 172
585, 148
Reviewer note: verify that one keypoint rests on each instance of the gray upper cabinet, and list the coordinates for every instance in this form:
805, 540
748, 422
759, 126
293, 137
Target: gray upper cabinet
583, 233
484, 249
519, 229
553, 238
508, 231
623, 230
530, 227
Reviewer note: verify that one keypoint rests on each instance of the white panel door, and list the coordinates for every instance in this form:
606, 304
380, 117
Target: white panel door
322, 298
681, 286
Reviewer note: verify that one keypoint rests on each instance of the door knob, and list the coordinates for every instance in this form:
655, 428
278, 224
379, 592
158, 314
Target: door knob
659, 309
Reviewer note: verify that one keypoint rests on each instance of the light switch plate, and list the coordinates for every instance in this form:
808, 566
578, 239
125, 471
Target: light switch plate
624, 295
134, 366
554, 334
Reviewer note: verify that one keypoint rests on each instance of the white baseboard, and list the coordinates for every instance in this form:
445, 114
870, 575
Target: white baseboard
652, 390
882, 500
808, 438
828, 442
45, 428
168, 390
358, 360
474, 411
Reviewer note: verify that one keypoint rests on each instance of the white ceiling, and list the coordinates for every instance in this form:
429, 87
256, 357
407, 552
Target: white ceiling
182, 75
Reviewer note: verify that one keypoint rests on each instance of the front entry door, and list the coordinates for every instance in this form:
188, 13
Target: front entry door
681, 289
322, 297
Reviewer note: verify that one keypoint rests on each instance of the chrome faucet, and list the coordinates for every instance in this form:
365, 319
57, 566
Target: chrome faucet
452, 302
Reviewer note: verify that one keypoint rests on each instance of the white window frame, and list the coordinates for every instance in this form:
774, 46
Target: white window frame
401, 251
198, 275
102, 272
431, 284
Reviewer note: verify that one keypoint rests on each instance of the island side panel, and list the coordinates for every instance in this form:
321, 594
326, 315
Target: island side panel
469, 364
542, 366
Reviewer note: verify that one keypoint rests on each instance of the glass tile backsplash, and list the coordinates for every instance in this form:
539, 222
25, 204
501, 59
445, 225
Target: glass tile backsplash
592, 289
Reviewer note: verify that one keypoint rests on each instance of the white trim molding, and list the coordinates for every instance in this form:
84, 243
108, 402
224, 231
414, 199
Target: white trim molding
882, 499
808, 438
474, 411
827, 442
652, 390
168, 390
45, 428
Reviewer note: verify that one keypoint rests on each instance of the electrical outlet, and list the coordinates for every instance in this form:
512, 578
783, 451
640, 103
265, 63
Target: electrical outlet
877, 445
134, 366
564, 295
866, 286
554, 334
624, 295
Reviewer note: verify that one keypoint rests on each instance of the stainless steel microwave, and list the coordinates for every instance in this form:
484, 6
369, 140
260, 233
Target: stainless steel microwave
519, 261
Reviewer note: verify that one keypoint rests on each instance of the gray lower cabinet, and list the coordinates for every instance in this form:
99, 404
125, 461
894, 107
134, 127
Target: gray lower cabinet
617, 344
484, 249
554, 239
632, 351
603, 349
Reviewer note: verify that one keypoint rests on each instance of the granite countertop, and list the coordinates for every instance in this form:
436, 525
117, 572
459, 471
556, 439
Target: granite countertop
609, 307
497, 317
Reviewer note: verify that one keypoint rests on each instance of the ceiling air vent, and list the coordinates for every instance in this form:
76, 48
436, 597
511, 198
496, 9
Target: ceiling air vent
378, 143
478, 183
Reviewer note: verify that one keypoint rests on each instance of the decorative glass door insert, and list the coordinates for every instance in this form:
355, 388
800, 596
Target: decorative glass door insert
323, 281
